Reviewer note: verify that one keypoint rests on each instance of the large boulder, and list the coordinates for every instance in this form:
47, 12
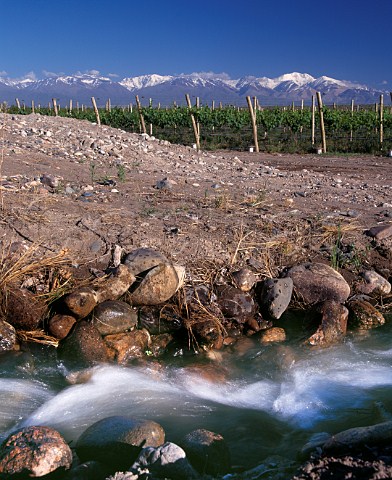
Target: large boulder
114, 316
118, 440
317, 282
34, 452
207, 451
84, 346
157, 279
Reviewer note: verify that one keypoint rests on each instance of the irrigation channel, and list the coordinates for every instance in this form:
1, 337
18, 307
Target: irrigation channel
272, 400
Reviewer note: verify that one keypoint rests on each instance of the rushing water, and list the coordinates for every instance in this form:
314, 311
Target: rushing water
265, 400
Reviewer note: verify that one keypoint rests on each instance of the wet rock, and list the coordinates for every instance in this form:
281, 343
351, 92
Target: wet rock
34, 452
59, 325
84, 346
207, 451
375, 284
380, 232
126, 346
23, 310
167, 461
114, 316
81, 302
357, 438
235, 303
7, 336
363, 315
159, 320
276, 296
207, 332
316, 282
156, 278
244, 279
159, 343
333, 326
274, 334
118, 440
88, 471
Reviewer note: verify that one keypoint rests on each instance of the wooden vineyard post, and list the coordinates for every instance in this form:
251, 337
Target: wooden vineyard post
352, 115
32, 106
96, 110
313, 120
56, 112
195, 129
254, 124
17, 103
381, 119
322, 127
198, 106
139, 108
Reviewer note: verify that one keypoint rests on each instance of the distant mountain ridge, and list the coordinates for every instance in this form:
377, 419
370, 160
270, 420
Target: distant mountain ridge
166, 89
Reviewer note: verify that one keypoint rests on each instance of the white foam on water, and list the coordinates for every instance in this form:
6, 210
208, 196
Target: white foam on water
18, 398
318, 386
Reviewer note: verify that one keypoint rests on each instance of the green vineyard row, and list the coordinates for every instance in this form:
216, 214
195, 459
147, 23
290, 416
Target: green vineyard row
279, 128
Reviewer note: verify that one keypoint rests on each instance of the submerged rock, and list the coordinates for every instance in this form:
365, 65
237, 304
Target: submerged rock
207, 451
34, 452
357, 438
274, 334
317, 282
118, 440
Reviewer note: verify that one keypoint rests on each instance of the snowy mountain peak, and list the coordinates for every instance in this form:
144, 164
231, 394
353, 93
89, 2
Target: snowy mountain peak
143, 81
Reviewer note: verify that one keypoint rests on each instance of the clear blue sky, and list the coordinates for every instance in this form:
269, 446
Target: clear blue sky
343, 39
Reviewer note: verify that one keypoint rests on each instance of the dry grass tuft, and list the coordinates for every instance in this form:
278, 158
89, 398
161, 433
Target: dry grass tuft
37, 336
15, 268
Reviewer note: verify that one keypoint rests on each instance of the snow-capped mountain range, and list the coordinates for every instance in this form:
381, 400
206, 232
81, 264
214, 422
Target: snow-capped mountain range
166, 89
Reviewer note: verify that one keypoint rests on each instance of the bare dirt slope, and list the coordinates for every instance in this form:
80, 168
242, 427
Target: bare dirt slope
69, 183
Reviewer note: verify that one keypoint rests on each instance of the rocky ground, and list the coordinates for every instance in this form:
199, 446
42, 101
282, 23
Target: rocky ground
71, 184
98, 192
